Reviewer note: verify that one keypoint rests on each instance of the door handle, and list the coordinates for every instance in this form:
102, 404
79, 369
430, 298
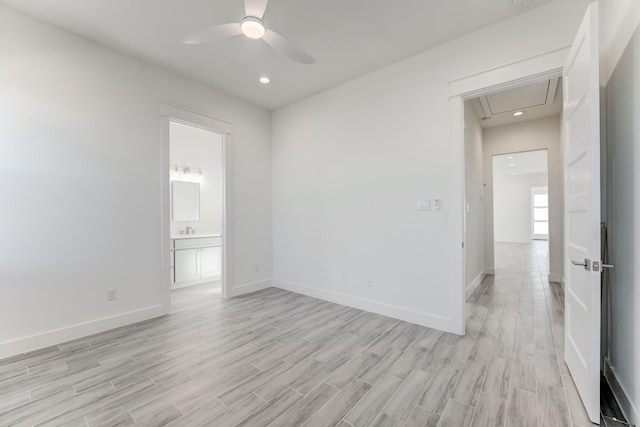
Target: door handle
586, 264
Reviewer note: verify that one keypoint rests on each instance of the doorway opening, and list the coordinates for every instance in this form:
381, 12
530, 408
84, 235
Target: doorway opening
197, 206
521, 209
513, 178
513, 212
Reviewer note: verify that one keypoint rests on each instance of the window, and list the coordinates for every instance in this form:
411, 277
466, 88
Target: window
540, 213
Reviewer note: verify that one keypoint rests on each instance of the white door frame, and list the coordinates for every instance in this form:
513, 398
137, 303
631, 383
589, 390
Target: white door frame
174, 113
526, 71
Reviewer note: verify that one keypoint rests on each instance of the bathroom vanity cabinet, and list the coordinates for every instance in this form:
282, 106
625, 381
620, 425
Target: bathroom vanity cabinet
195, 259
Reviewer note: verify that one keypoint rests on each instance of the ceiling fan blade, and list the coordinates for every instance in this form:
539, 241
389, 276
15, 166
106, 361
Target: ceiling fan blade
255, 8
286, 48
214, 33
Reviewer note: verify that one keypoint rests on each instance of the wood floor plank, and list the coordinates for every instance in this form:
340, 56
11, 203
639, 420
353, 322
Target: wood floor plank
522, 409
307, 407
523, 374
470, 383
373, 373
250, 385
384, 420
272, 409
237, 413
498, 378
420, 417
372, 404
201, 414
311, 381
547, 368
439, 387
490, 411
552, 409
407, 395
407, 361
340, 405
280, 383
456, 414
350, 370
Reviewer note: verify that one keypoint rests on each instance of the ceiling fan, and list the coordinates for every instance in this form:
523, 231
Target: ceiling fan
253, 27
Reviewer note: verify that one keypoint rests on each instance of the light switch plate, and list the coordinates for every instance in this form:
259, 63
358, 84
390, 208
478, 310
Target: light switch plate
424, 205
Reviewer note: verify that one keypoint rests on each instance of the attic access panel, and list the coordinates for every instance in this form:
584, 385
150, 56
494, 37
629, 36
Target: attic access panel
520, 98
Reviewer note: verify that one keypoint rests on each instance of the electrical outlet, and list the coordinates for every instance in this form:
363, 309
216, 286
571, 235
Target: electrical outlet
370, 282
112, 294
256, 268
344, 277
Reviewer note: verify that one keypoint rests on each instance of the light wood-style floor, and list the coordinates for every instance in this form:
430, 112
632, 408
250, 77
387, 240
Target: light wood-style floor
282, 359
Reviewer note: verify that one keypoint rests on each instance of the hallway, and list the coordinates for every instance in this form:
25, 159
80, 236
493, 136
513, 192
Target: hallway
517, 317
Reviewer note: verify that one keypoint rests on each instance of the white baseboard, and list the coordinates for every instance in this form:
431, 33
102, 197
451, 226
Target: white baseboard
69, 333
490, 271
555, 277
475, 282
195, 283
400, 313
629, 409
247, 288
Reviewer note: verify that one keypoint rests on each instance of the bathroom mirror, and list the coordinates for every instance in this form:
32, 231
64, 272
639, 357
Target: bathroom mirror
185, 201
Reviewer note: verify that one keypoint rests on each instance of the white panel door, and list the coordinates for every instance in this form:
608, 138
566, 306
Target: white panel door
582, 213
210, 265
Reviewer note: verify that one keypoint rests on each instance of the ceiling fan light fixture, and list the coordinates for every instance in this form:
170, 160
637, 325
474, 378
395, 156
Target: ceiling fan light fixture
253, 27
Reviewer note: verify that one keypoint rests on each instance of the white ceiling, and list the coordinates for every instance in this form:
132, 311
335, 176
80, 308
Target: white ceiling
537, 100
348, 38
525, 163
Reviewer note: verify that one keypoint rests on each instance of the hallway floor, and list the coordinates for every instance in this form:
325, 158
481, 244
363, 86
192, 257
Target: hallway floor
517, 316
281, 359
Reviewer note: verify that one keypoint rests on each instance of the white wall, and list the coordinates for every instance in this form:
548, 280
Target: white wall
618, 22
199, 149
80, 184
542, 134
622, 214
474, 195
512, 206
351, 163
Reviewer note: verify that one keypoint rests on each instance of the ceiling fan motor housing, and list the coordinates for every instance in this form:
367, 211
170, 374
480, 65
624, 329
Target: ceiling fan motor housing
252, 27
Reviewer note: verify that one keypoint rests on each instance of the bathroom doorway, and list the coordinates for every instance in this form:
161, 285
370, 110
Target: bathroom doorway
195, 208
195, 163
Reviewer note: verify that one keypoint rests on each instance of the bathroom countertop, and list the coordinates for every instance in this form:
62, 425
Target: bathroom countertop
192, 236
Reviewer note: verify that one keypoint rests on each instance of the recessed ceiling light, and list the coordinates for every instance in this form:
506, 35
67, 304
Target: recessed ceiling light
518, 113
510, 157
512, 164
265, 80
252, 27
515, 173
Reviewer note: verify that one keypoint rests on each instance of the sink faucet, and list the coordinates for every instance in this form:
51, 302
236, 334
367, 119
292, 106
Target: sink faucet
189, 230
